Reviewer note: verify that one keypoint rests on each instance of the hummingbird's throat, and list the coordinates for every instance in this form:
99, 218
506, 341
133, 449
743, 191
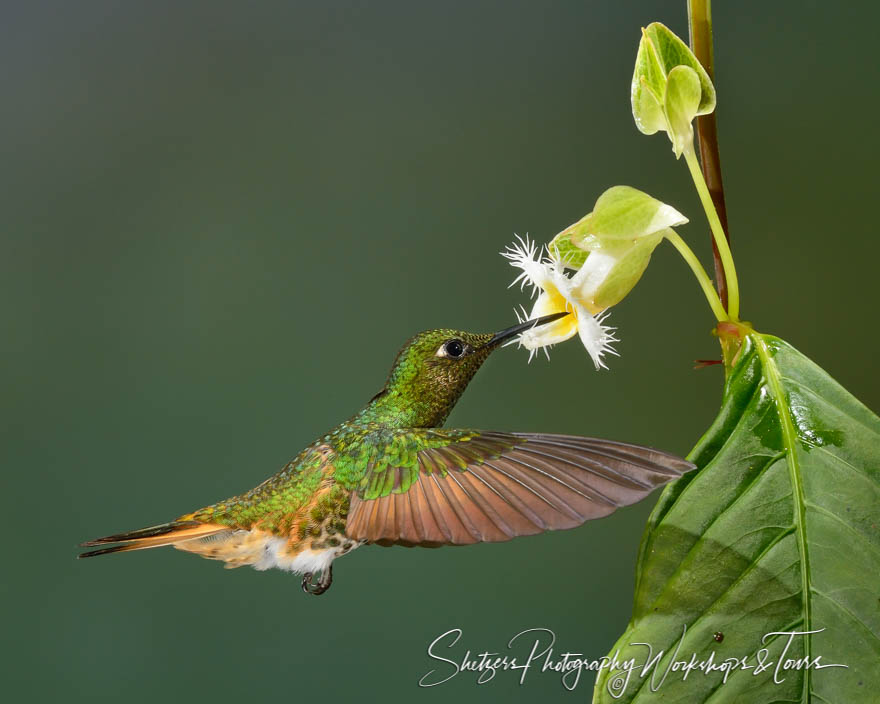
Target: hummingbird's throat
396, 409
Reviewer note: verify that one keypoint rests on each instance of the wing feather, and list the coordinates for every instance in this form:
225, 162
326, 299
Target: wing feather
518, 503
494, 526
491, 487
429, 489
423, 518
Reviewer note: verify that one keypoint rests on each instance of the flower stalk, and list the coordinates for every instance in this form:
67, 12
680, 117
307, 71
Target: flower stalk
717, 232
700, 273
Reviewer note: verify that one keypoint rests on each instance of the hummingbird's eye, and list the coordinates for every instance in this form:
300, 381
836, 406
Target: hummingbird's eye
454, 349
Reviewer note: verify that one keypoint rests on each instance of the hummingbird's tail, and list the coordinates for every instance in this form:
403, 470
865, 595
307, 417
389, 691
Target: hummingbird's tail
153, 537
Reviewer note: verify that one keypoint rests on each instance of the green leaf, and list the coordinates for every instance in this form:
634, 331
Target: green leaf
682, 102
778, 531
623, 212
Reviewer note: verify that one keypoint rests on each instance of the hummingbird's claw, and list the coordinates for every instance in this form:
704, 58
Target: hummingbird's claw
319, 587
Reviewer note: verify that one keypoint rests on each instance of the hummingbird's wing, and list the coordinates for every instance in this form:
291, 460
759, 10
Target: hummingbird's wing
463, 486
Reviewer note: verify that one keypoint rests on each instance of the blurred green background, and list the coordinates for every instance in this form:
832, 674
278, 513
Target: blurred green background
220, 221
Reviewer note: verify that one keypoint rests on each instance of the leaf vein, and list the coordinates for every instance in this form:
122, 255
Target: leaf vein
771, 373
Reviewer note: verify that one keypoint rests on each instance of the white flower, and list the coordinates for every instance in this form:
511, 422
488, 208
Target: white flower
557, 292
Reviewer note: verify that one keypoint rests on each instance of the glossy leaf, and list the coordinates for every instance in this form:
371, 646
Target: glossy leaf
778, 531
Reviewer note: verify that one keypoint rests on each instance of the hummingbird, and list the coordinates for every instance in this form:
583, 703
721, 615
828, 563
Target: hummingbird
392, 475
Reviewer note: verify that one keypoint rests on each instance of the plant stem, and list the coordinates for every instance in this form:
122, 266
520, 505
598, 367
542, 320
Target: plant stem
702, 277
717, 232
700, 25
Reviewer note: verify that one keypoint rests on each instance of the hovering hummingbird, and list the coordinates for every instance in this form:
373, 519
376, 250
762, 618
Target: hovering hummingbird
391, 475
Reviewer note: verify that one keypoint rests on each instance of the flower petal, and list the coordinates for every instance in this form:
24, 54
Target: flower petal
596, 338
592, 274
550, 334
555, 298
525, 256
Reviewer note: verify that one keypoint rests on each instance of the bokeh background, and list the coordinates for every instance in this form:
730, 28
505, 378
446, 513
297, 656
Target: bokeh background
220, 220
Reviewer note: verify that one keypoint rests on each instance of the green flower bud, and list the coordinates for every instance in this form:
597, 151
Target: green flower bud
669, 87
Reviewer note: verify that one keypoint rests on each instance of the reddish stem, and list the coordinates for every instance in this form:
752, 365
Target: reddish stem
700, 22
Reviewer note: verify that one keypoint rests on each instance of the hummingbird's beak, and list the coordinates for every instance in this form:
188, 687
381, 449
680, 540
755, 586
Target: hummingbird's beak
500, 337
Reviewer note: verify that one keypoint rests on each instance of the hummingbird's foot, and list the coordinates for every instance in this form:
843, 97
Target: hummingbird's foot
321, 586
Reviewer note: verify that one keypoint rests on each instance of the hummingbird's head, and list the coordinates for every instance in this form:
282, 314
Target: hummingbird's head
433, 369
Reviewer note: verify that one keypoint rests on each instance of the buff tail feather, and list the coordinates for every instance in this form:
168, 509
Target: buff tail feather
153, 537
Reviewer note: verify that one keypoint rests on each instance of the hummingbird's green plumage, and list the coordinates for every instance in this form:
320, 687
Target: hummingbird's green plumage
391, 475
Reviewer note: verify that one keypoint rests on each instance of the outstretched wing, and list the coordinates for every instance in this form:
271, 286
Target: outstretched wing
464, 487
